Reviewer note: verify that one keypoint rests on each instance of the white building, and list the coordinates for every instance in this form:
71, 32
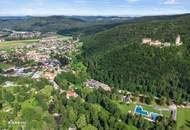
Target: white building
96, 85
151, 42
178, 41
2, 40
173, 109
146, 40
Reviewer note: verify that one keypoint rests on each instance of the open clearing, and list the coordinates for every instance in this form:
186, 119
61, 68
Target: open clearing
17, 43
131, 107
183, 114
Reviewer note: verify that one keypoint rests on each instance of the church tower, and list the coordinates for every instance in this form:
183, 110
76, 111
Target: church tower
178, 40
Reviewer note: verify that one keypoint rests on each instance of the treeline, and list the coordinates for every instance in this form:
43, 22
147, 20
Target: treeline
66, 25
117, 57
39, 106
95, 110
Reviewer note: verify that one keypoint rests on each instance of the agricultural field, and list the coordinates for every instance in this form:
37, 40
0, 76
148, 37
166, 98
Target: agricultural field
16, 43
64, 38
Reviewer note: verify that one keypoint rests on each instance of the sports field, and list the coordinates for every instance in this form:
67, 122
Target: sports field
183, 114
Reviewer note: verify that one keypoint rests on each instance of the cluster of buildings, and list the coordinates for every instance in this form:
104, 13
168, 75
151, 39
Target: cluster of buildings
54, 44
50, 40
97, 85
157, 43
24, 35
2, 40
17, 35
48, 69
39, 59
45, 66
36, 56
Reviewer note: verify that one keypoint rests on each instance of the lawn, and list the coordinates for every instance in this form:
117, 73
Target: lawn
125, 108
183, 119
183, 115
64, 38
100, 108
130, 107
5, 66
16, 43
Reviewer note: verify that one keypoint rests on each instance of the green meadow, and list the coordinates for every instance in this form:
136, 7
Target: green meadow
131, 107
17, 43
5, 65
183, 114
183, 119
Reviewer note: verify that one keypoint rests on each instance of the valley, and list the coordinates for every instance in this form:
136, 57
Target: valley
108, 79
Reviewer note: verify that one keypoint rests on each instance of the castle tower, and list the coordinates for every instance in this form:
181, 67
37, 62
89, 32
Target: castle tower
178, 40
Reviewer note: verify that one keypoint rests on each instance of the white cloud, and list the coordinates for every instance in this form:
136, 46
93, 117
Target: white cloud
170, 2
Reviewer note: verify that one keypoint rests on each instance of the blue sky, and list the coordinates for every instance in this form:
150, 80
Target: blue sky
93, 7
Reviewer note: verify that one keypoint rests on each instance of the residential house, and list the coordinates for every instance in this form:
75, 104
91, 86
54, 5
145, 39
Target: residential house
96, 85
2, 40
71, 93
24, 35
49, 75
127, 98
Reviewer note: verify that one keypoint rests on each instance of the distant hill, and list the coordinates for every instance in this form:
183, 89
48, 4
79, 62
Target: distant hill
14, 17
61, 24
117, 56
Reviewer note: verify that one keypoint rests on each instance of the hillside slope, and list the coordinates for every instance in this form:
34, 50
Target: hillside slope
117, 57
61, 24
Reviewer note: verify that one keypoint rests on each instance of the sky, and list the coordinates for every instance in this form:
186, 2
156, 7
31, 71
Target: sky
93, 7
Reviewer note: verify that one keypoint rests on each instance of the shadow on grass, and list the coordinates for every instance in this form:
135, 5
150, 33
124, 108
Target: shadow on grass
187, 123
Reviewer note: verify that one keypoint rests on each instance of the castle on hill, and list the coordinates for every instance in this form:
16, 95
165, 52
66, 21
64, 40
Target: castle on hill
178, 41
160, 44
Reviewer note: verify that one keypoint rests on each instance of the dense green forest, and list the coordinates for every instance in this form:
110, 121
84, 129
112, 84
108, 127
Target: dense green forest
41, 107
117, 57
61, 24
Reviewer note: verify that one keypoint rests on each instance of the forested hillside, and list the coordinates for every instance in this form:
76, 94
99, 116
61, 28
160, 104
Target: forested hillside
61, 24
117, 57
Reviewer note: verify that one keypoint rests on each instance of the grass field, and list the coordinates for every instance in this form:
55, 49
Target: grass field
183, 115
61, 37
17, 43
183, 119
125, 108
5, 66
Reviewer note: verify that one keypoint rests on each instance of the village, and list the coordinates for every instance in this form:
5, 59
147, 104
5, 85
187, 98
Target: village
41, 61
38, 60
8, 35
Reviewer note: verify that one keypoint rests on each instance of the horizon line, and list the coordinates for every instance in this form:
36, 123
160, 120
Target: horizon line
95, 15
